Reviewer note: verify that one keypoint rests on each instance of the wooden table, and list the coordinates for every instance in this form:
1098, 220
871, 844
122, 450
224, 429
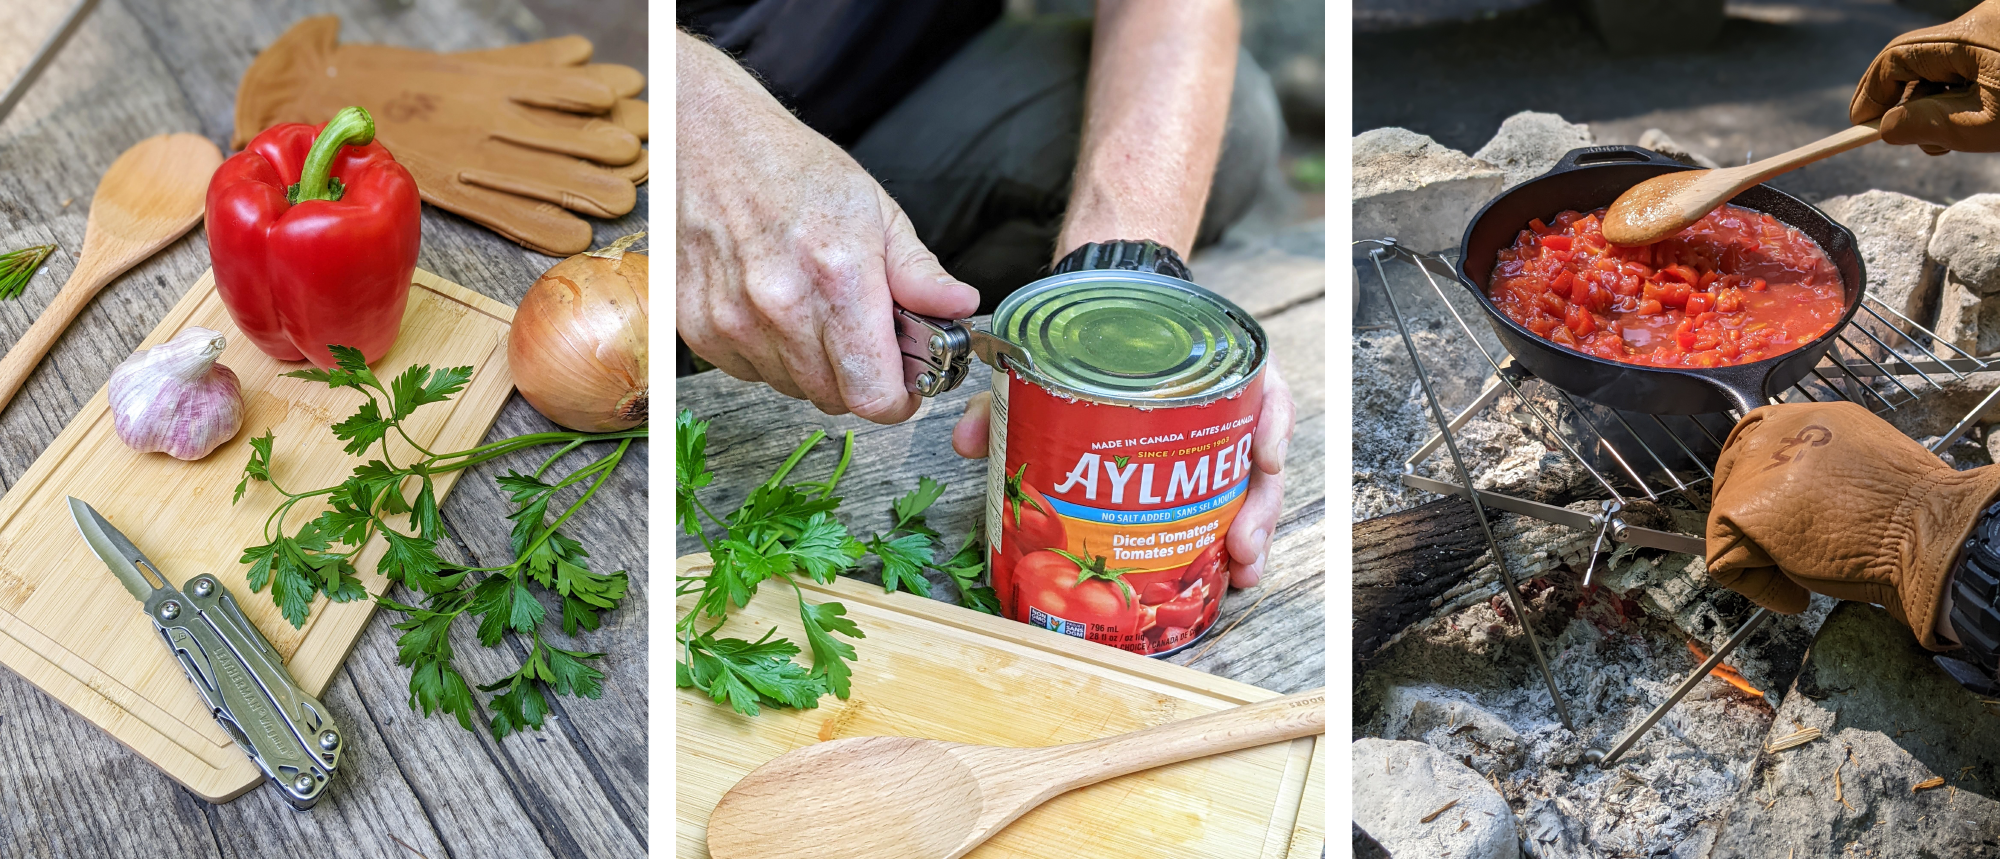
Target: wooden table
411, 786
1272, 635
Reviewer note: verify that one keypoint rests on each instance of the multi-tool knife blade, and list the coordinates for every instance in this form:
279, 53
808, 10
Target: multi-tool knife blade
242, 679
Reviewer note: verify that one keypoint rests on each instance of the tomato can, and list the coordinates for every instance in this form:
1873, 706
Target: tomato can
1119, 456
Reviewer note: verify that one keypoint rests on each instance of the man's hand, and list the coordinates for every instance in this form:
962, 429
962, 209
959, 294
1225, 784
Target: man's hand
1938, 87
790, 255
1249, 540
1827, 497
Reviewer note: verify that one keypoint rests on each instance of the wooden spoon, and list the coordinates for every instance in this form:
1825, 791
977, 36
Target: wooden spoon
1667, 204
906, 798
152, 194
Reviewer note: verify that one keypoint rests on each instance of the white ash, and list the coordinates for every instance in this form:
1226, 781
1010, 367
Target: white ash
1466, 684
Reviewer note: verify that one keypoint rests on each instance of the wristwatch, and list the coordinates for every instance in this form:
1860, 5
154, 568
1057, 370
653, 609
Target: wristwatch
1975, 607
1124, 255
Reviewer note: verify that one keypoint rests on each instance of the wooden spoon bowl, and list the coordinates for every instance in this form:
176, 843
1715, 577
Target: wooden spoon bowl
1662, 206
153, 194
908, 798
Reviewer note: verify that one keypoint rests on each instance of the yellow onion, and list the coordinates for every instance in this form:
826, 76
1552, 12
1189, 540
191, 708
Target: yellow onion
578, 346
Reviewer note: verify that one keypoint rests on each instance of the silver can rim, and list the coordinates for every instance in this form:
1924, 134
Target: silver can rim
1258, 339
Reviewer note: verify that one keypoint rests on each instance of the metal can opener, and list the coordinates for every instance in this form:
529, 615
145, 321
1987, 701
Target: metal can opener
285, 731
937, 353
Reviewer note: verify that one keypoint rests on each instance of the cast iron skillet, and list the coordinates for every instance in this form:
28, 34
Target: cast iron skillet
1590, 178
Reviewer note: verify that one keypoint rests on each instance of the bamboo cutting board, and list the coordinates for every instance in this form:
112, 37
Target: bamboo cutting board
69, 627
928, 669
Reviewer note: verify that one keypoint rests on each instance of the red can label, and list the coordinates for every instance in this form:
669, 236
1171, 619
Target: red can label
1106, 522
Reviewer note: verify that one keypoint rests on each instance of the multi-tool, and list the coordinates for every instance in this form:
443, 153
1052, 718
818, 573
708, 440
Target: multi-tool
286, 732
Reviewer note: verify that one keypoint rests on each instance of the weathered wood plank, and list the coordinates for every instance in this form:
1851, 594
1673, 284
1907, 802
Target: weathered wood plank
412, 784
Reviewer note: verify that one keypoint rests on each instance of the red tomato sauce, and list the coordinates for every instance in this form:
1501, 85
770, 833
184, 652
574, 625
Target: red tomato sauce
1737, 287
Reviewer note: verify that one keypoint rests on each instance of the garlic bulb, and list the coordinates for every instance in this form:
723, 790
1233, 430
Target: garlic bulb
174, 398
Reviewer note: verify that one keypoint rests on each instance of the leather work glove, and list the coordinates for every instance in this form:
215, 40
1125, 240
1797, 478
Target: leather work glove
508, 138
1828, 497
1957, 65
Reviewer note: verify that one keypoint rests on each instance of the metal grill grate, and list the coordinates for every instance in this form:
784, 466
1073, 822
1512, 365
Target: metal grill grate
1632, 455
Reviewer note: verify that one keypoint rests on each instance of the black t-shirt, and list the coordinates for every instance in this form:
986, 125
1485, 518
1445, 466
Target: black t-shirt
839, 64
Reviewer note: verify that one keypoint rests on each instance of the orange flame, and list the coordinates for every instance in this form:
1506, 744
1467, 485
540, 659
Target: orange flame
1724, 672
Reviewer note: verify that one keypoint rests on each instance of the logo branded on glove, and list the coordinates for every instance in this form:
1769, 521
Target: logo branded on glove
1812, 436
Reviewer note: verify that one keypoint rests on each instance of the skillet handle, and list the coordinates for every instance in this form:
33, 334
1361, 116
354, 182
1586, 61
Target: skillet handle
1592, 156
1745, 390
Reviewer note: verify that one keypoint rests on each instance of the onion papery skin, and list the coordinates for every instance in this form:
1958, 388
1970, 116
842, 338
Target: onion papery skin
578, 345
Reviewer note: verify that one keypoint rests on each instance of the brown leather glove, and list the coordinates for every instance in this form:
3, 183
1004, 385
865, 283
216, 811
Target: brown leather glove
1962, 56
1827, 497
508, 138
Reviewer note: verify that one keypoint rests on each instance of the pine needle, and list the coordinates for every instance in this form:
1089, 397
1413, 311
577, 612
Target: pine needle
16, 267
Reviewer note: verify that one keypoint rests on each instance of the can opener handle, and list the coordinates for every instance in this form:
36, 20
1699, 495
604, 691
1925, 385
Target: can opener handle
938, 353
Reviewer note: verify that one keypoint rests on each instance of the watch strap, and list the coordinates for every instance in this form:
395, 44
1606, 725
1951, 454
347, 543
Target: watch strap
1125, 255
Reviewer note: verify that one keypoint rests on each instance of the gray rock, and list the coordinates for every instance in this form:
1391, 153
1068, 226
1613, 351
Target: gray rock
1936, 412
1890, 720
1658, 141
1450, 723
1958, 317
1529, 143
1397, 783
1967, 243
1894, 232
1411, 187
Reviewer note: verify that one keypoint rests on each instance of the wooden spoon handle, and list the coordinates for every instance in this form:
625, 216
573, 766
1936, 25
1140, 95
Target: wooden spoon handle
1825, 147
53, 321
1276, 720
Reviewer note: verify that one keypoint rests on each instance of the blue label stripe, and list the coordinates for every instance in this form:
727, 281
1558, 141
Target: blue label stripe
1148, 517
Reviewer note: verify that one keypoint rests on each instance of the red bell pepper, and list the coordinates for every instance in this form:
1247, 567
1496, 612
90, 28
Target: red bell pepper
313, 233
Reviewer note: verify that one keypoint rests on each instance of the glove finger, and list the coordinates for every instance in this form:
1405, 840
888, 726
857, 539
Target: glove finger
559, 51
571, 91
623, 80
634, 172
632, 115
1766, 586
595, 138
1960, 120
537, 226
1887, 80
629, 114
572, 183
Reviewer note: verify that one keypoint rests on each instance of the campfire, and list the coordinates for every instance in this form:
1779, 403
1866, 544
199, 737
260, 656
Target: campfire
1727, 674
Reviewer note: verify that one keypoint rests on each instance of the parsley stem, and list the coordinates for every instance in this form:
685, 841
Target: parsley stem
559, 455
846, 456
798, 453
602, 476
413, 442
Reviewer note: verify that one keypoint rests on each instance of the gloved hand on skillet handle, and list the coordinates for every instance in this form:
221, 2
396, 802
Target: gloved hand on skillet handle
1958, 66
1829, 498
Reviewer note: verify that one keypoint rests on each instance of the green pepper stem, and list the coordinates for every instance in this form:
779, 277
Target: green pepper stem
352, 126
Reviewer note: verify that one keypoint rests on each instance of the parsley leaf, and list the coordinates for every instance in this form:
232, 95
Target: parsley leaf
903, 562
504, 601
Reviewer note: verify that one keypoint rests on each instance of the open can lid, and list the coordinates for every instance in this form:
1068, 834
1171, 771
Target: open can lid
1131, 337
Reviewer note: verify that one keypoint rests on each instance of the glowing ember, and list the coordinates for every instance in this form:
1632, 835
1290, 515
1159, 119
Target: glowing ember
1724, 672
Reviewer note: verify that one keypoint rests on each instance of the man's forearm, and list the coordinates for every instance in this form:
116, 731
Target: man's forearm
1154, 112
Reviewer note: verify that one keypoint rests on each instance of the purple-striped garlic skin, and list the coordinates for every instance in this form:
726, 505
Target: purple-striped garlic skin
175, 399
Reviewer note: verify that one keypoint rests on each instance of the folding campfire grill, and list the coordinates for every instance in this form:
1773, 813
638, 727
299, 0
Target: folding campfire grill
1613, 447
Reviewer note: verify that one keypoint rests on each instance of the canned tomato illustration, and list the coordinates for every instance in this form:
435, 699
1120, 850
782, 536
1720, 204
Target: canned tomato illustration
1119, 458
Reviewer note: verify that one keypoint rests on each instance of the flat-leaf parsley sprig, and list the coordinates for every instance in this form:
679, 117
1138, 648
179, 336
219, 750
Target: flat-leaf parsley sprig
780, 532
319, 557
783, 532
